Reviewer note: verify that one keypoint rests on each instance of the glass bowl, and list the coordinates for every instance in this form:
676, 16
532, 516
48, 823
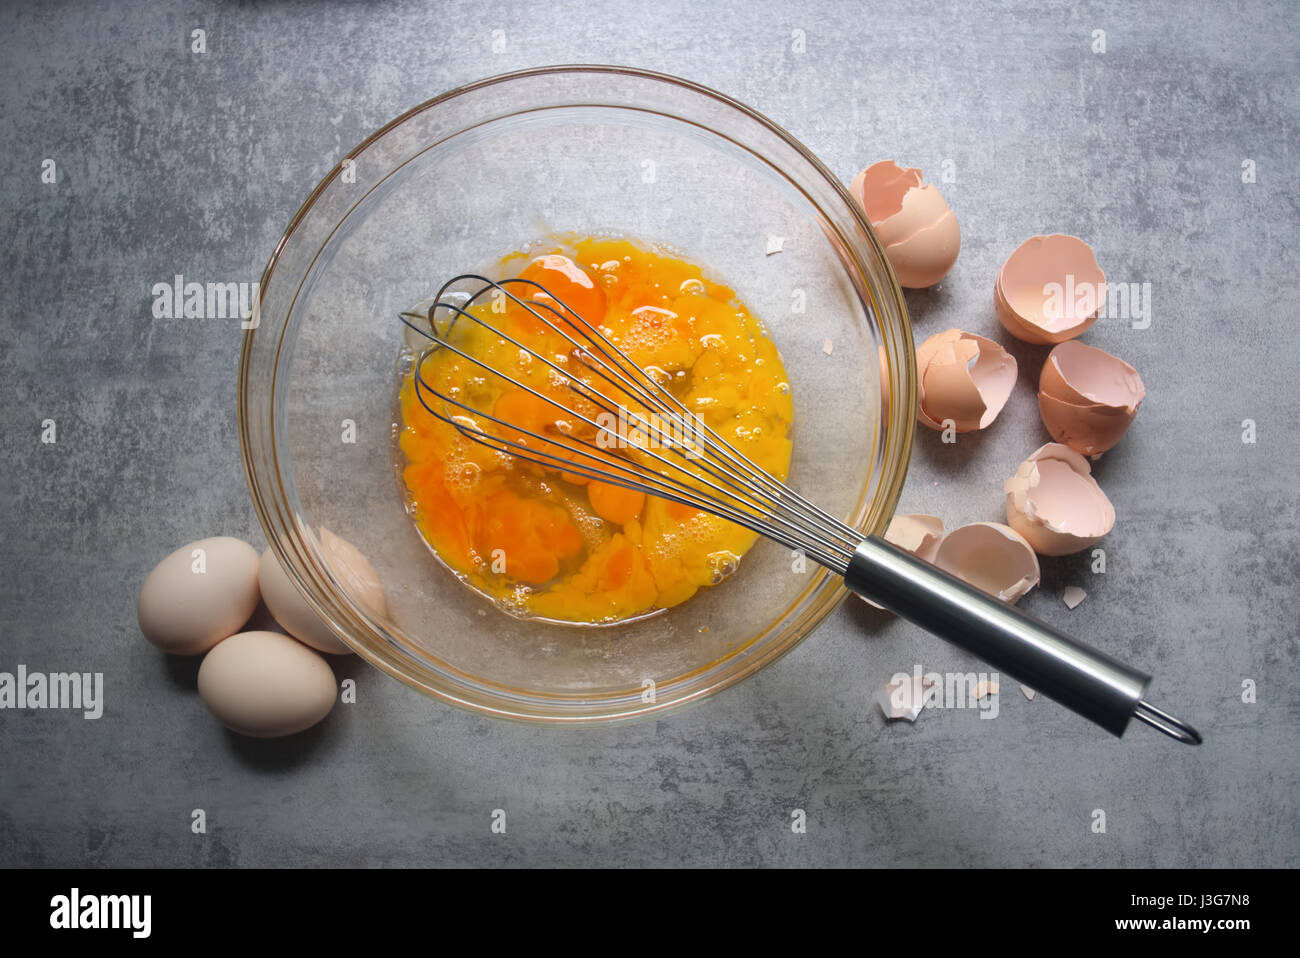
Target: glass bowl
454, 185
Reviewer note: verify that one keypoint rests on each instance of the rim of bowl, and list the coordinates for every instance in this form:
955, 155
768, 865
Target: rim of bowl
824, 593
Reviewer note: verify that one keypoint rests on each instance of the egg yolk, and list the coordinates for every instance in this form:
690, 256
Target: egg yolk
548, 542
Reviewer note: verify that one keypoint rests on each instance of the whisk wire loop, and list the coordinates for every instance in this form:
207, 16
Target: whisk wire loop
733, 487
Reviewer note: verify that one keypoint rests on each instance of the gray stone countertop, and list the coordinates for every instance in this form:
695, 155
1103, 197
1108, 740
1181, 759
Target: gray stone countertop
1173, 151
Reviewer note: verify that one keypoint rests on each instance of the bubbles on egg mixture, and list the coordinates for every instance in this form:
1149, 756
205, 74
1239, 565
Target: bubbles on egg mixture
594, 530
723, 565
658, 375
608, 271
515, 602
462, 476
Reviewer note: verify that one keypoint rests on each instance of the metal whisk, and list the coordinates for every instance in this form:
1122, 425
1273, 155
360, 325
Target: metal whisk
661, 448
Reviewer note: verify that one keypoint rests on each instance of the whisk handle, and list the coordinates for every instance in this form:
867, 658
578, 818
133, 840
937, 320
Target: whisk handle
1091, 683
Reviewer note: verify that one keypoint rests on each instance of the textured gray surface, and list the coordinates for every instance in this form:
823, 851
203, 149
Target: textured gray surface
173, 162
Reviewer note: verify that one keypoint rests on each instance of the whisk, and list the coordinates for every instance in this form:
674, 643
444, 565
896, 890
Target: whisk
619, 424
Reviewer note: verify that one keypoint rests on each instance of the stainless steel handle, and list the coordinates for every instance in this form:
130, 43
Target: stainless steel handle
1085, 680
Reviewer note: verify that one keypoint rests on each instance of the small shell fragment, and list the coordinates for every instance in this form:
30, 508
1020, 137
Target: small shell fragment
1028, 692
1072, 596
902, 698
985, 688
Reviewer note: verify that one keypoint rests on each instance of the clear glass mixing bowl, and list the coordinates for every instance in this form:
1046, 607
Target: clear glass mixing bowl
452, 186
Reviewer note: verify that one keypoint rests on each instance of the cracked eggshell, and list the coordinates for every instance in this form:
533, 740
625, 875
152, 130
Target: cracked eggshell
880, 188
1024, 305
1054, 502
913, 221
1086, 429
992, 557
921, 208
1087, 397
918, 534
927, 255
962, 377
903, 698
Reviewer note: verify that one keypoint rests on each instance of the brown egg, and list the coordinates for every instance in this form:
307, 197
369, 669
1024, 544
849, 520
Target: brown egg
1088, 397
264, 685
199, 595
291, 610
915, 225
883, 357
1054, 502
354, 571
1050, 289
992, 557
962, 377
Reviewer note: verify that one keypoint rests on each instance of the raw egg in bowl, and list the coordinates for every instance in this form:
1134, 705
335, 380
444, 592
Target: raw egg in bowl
757, 243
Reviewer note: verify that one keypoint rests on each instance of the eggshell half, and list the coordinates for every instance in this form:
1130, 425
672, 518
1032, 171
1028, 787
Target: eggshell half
962, 377
918, 534
1009, 320
921, 208
1054, 502
291, 610
1086, 429
264, 684
927, 255
199, 595
1088, 397
913, 221
991, 557
880, 188
1025, 307
1081, 374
